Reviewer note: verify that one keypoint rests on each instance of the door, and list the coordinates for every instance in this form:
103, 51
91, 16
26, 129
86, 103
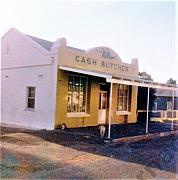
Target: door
102, 107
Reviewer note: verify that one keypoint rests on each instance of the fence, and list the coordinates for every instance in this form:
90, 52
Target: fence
161, 113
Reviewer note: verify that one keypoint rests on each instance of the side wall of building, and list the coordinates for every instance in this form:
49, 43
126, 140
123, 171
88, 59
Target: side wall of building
25, 64
162, 102
14, 97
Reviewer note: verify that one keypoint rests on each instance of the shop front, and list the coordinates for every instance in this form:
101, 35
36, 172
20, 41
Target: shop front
84, 95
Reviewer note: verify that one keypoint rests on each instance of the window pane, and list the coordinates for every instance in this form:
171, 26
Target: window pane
75, 97
31, 103
75, 100
100, 101
81, 102
69, 103
104, 101
70, 84
120, 104
31, 92
124, 103
126, 91
76, 83
169, 104
83, 86
121, 91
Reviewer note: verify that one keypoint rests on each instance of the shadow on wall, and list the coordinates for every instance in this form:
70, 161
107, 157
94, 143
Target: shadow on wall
142, 103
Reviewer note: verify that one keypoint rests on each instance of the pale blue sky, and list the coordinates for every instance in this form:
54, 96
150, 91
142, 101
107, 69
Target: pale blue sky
145, 30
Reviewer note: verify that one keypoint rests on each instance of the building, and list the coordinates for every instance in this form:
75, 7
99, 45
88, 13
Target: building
163, 104
46, 84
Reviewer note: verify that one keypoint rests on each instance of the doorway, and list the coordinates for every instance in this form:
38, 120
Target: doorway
102, 107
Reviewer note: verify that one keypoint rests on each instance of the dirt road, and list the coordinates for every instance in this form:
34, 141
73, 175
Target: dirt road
57, 155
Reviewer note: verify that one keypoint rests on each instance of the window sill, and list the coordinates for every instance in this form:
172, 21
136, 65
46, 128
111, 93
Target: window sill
78, 114
123, 112
29, 109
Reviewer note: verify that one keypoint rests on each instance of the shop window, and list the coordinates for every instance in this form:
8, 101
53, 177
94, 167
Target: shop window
77, 93
31, 97
123, 99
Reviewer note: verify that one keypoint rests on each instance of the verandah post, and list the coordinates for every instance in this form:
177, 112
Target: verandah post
148, 101
110, 110
172, 122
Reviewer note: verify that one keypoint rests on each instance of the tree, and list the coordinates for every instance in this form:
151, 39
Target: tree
171, 81
145, 76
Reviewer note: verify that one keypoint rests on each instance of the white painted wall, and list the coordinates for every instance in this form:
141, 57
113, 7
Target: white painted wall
22, 66
19, 50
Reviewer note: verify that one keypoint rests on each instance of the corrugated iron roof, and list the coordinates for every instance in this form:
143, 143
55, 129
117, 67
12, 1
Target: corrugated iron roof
48, 44
164, 93
44, 43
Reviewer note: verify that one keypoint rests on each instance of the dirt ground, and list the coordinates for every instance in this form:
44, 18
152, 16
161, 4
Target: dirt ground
41, 154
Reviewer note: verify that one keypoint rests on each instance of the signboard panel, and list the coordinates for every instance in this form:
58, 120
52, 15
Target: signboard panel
84, 61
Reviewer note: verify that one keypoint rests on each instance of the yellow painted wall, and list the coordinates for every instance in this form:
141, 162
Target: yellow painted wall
132, 118
61, 103
61, 97
92, 104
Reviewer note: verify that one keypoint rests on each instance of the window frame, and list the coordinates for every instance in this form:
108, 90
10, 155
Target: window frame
78, 113
27, 98
127, 111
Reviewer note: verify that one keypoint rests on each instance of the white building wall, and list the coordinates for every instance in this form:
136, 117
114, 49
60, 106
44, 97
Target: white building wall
25, 65
18, 50
14, 97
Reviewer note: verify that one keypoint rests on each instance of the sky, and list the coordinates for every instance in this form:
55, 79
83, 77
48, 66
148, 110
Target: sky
134, 29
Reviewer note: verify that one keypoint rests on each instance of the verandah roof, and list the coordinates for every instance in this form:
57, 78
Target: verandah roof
123, 80
127, 81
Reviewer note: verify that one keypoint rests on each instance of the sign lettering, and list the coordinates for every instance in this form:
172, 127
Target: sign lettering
103, 64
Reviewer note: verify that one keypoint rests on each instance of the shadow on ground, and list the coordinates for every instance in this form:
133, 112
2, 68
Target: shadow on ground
25, 166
